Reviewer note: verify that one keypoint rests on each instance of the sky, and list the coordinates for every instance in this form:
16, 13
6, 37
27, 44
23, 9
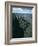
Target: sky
22, 10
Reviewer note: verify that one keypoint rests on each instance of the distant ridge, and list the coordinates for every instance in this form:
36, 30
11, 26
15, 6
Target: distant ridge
23, 13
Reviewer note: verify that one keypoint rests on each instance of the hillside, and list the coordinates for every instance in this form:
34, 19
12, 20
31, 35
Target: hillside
25, 23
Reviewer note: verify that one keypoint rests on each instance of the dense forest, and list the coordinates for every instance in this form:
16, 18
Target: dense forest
21, 25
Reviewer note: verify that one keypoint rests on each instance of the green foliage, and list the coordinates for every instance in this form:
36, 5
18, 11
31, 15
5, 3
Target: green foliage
21, 27
17, 31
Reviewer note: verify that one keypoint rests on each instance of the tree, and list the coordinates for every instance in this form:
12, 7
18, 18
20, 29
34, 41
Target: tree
21, 27
17, 30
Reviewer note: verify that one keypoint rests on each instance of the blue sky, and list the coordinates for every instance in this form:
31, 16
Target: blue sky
22, 10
